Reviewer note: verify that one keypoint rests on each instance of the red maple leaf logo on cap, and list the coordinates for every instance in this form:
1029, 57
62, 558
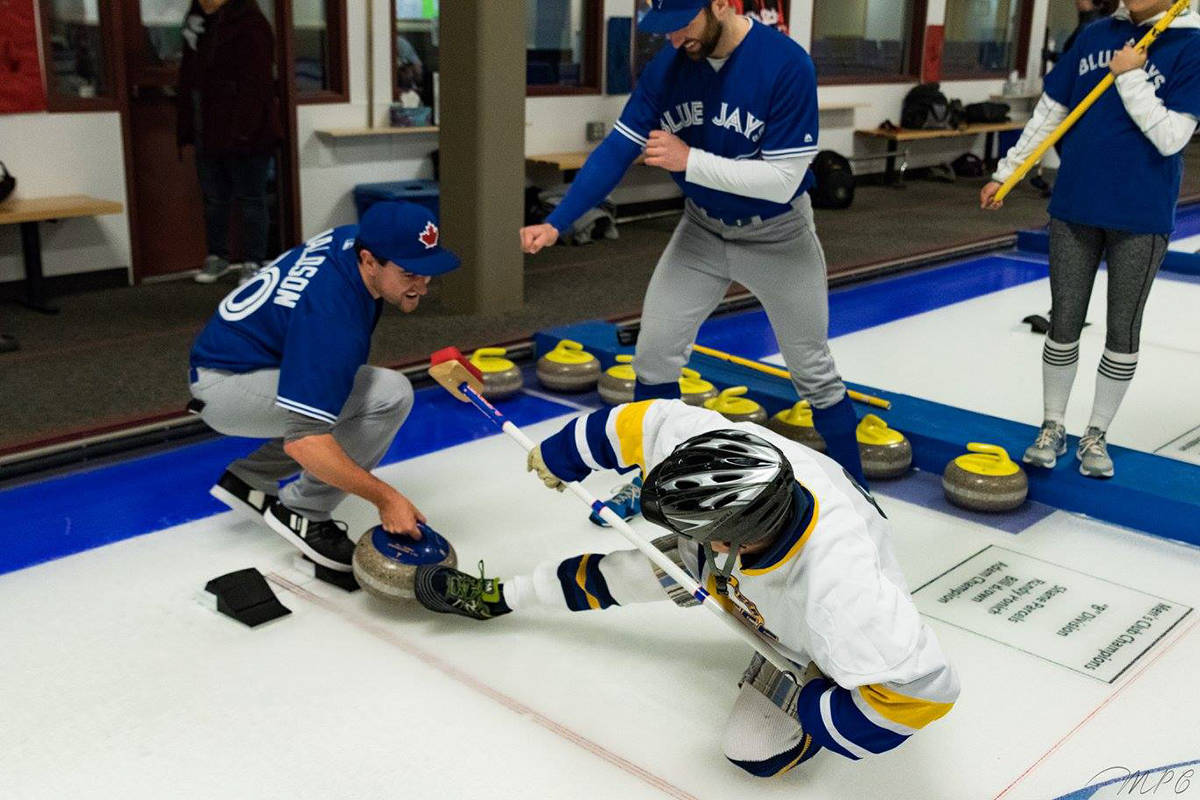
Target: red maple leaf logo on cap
429, 236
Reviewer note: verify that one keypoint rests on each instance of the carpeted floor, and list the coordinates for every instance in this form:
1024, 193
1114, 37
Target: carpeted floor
112, 357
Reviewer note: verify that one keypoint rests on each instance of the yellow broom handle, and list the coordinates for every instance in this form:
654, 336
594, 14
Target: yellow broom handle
870, 400
1087, 103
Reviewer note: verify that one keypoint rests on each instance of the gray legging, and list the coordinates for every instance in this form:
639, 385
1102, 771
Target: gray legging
1075, 255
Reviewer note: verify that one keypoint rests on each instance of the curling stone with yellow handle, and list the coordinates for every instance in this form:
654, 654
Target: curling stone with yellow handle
568, 368
617, 382
735, 407
796, 423
885, 453
985, 479
694, 390
501, 377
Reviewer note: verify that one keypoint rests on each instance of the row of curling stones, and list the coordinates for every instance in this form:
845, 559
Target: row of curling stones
885, 452
501, 377
568, 368
985, 479
385, 564
617, 384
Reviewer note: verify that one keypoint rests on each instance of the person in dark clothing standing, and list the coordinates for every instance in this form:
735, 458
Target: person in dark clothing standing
1089, 11
227, 109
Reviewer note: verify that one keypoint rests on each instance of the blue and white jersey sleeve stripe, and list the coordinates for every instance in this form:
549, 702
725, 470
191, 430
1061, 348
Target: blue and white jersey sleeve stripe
793, 127
868, 720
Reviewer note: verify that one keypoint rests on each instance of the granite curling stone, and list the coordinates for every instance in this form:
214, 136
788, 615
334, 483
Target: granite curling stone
568, 368
985, 479
501, 377
617, 382
796, 423
694, 390
385, 563
885, 453
737, 408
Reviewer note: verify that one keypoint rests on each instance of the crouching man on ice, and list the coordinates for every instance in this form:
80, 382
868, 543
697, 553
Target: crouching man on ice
808, 562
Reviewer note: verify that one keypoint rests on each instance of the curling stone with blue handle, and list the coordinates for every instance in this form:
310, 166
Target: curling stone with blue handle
385, 563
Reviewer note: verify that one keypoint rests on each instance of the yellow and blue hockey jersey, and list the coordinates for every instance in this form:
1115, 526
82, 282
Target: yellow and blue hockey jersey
830, 591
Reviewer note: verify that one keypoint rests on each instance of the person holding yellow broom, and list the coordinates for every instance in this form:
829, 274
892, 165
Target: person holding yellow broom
1114, 199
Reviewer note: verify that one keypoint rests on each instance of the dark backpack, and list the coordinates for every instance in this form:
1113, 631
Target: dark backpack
968, 165
925, 108
987, 112
7, 182
835, 181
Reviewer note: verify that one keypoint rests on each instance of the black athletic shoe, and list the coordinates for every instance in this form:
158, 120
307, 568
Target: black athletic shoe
324, 542
448, 591
241, 496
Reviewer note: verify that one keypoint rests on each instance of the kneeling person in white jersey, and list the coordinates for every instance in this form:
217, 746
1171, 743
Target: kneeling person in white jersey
809, 565
285, 358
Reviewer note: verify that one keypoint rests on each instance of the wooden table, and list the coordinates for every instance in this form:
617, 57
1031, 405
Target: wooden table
897, 135
27, 213
567, 163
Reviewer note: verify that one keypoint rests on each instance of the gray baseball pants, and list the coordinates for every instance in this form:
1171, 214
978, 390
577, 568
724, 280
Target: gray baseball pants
244, 405
779, 260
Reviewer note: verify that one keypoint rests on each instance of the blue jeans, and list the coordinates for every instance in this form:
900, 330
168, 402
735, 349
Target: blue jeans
224, 179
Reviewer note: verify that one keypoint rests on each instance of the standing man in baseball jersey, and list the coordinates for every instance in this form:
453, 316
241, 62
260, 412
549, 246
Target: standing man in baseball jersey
730, 110
284, 358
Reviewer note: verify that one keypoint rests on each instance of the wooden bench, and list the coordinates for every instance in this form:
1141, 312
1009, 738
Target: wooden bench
567, 163
894, 136
28, 212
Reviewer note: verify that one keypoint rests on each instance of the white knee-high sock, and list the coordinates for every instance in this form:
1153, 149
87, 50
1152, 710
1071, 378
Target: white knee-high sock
585, 582
1059, 363
1112, 380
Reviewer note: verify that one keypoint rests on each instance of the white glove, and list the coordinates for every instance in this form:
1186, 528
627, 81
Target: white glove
535, 463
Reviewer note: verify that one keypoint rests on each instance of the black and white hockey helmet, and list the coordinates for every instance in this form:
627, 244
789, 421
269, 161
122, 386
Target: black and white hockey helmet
722, 486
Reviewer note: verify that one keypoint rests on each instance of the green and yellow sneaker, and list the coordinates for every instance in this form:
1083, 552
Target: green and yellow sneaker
448, 591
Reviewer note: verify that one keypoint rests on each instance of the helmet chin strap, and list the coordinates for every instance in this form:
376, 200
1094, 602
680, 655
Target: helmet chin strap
720, 574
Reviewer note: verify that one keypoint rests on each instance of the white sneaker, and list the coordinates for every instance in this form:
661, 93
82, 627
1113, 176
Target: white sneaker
1093, 455
1051, 442
246, 271
213, 270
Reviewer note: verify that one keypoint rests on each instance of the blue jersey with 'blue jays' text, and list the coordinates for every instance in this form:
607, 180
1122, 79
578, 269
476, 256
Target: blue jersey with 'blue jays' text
307, 314
1112, 176
762, 103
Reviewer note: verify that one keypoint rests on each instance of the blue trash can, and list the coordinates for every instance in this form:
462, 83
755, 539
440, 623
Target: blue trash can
420, 190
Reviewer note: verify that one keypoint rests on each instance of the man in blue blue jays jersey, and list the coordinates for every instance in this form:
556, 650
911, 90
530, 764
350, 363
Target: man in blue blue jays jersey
284, 358
1114, 200
730, 111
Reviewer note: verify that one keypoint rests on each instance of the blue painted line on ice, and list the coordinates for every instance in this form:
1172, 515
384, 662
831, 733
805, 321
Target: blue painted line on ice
68, 514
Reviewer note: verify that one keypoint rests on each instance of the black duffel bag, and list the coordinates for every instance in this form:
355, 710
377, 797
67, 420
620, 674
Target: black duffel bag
925, 108
7, 182
987, 112
835, 181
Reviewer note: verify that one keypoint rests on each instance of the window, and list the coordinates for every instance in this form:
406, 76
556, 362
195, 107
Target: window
78, 64
985, 38
867, 41
319, 43
414, 59
562, 46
